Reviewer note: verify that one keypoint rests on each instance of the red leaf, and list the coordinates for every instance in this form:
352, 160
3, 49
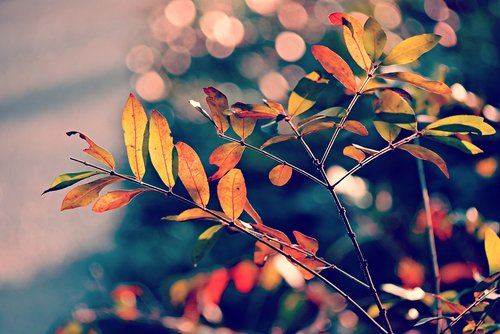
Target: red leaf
280, 175
335, 65
244, 276
306, 242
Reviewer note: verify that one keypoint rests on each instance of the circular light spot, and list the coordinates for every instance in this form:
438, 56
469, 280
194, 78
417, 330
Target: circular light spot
218, 50
436, 9
387, 14
229, 31
252, 65
412, 314
180, 13
163, 30
491, 113
292, 15
448, 36
176, 60
290, 46
487, 167
263, 7
293, 74
151, 87
140, 59
348, 319
323, 7
383, 201
208, 21
458, 92
274, 86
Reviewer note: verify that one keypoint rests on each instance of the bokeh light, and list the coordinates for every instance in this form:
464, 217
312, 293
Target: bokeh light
293, 16
180, 13
274, 86
290, 46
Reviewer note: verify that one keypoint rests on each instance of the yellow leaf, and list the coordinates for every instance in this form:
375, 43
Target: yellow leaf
192, 174
243, 127
161, 146
86, 193
432, 86
411, 49
306, 93
232, 193
95, 150
217, 102
280, 175
335, 65
196, 213
116, 199
134, 122
374, 39
492, 248
225, 157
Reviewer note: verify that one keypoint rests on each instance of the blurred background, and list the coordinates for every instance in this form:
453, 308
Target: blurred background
69, 66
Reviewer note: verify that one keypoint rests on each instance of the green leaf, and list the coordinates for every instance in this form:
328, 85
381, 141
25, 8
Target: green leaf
277, 139
333, 112
335, 65
411, 49
65, 180
305, 94
460, 124
432, 86
423, 153
205, 243
374, 39
462, 145
492, 249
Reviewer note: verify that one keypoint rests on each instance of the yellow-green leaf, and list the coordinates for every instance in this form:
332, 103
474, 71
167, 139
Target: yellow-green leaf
232, 193
432, 86
225, 157
277, 139
217, 102
374, 39
305, 94
460, 124
65, 180
391, 108
243, 127
411, 49
192, 174
280, 175
387, 131
492, 248
423, 153
86, 193
462, 145
353, 37
116, 199
205, 243
134, 122
161, 146
354, 153
335, 65
95, 150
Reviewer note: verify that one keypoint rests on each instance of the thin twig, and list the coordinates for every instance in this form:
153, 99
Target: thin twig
431, 240
228, 223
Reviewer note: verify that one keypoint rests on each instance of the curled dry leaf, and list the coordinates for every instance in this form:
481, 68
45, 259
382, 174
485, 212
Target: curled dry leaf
411, 49
161, 146
225, 157
192, 174
280, 175
354, 153
335, 65
116, 199
134, 123
426, 154
86, 193
232, 193
95, 150
217, 102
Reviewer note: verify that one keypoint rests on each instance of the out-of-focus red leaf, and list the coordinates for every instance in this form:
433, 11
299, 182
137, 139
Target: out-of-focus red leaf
411, 273
452, 272
244, 276
213, 291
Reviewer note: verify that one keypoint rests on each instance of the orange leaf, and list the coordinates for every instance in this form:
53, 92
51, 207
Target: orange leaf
95, 150
217, 102
317, 126
306, 242
244, 276
280, 175
232, 193
353, 152
335, 65
225, 157
426, 154
85, 194
432, 86
272, 233
262, 252
277, 139
195, 213
353, 37
259, 111
311, 264
116, 199
252, 213
134, 123
192, 174
161, 145
278, 107
243, 127
356, 127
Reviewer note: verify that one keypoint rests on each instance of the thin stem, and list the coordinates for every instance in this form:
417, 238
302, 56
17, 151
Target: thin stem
228, 223
470, 307
431, 239
355, 98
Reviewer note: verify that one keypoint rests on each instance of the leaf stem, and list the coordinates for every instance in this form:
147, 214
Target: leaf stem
355, 98
228, 223
430, 239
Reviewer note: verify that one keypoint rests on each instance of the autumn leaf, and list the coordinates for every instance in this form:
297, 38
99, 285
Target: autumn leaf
387, 131
306, 242
355, 127
244, 276
432, 86
335, 65
305, 94
365, 150
196, 213
116, 199
161, 146
243, 127
217, 102
192, 174
354, 153
65, 180
317, 126
411, 49
95, 150
277, 107
353, 37
423, 153
379, 87
134, 122
205, 242
459, 124
312, 264
462, 145
248, 208
225, 157
492, 249
391, 108
374, 39
85, 194
280, 175
257, 111
277, 139
232, 193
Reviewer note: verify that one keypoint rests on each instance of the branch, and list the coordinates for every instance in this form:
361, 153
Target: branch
229, 223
